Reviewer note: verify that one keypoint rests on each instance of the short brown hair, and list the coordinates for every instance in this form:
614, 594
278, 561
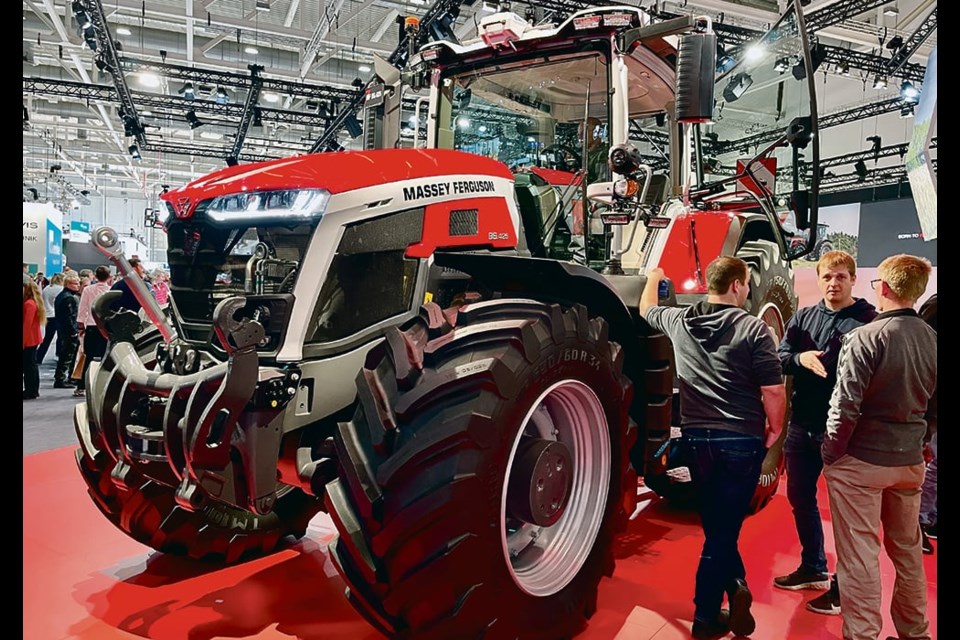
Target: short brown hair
834, 259
906, 276
722, 271
102, 273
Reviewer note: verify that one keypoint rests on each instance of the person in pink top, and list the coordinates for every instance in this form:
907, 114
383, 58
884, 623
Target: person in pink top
33, 317
94, 343
161, 287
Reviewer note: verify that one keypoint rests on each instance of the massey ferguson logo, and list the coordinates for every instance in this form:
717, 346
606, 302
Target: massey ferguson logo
183, 207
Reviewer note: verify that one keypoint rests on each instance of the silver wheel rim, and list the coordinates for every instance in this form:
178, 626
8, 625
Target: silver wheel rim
543, 560
770, 314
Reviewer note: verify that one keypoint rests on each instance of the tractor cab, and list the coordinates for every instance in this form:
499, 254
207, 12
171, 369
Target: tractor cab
552, 101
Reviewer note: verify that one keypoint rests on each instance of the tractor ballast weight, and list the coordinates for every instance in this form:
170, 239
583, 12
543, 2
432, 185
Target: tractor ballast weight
377, 334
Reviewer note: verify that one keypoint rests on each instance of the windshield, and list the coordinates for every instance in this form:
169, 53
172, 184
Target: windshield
762, 87
531, 113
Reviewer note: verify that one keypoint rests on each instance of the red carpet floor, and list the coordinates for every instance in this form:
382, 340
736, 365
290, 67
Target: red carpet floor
84, 579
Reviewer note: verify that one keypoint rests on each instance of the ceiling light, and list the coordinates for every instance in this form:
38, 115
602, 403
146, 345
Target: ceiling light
861, 168
363, 69
891, 10
251, 50
482, 129
755, 53
271, 97
844, 68
123, 31
782, 65
193, 120
909, 93
880, 82
150, 79
463, 123
146, 112
211, 135
737, 86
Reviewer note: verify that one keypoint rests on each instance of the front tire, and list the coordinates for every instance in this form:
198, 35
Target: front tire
459, 434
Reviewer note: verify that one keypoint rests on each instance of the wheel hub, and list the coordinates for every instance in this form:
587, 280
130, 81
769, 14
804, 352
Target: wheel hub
540, 482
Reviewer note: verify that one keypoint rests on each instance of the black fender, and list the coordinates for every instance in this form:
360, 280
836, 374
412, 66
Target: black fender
568, 284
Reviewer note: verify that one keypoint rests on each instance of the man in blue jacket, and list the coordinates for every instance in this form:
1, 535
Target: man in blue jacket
882, 411
809, 352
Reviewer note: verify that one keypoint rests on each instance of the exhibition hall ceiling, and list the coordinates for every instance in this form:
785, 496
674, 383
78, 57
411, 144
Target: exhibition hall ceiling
188, 66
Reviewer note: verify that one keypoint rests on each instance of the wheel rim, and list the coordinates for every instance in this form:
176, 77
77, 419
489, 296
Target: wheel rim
543, 559
770, 314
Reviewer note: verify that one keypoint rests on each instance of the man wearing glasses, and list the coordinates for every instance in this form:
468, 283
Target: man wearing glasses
882, 411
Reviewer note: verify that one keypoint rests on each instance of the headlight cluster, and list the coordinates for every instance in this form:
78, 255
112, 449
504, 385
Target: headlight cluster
302, 204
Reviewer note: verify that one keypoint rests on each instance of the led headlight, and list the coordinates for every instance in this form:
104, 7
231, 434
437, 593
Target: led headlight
295, 205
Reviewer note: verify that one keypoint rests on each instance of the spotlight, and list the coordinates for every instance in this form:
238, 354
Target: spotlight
221, 96
781, 65
909, 93
100, 62
257, 121
895, 43
135, 152
877, 145
353, 126
880, 82
660, 119
861, 168
737, 86
187, 91
193, 120
843, 68
34, 193
907, 111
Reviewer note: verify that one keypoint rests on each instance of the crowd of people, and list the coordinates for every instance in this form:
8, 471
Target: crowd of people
59, 311
863, 413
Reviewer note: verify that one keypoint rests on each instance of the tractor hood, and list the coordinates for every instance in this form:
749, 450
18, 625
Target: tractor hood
331, 172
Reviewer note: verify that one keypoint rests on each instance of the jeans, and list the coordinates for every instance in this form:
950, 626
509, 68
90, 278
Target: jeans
928, 495
48, 334
726, 468
801, 450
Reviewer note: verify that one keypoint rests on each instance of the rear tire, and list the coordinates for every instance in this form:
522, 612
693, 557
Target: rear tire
443, 529
773, 300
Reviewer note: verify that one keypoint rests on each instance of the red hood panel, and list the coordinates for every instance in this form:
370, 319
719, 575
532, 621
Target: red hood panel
335, 172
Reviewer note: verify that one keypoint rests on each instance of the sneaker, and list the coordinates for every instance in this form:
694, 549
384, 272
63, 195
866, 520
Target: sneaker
827, 603
79, 393
925, 545
803, 578
741, 620
712, 630
932, 531
61, 384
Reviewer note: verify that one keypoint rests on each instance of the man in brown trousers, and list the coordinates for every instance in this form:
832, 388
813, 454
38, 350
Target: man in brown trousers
880, 416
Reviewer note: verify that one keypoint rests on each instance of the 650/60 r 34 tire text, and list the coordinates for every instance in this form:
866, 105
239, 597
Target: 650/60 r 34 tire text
483, 473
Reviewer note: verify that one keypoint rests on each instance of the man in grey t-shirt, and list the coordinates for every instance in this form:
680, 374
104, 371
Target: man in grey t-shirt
732, 403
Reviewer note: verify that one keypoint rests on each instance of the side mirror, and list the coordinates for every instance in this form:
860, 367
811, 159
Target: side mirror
696, 66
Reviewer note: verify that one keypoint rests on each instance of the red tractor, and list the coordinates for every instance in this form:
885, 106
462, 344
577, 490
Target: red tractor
384, 335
